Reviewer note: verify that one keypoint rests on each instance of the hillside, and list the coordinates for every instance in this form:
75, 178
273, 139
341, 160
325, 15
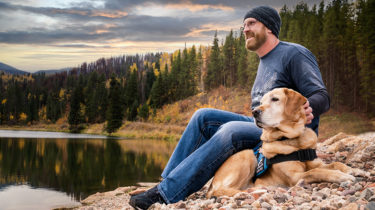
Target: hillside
169, 122
10, 70
239, 101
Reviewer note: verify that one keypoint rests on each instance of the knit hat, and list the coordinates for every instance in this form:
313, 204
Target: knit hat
268, 16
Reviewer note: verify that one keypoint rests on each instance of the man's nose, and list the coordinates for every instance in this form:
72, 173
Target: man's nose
256, 112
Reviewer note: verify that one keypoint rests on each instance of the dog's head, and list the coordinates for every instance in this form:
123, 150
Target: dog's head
279, 108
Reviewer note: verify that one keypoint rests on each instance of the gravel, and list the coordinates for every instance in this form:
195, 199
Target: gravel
356, 151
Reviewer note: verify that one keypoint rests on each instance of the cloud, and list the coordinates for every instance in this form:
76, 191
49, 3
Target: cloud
197, 7
75, 13
81, 46
108, 26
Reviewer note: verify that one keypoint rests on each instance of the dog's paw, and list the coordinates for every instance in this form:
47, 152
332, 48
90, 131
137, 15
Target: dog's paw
359, 172
346, 177
267, 154
301, 183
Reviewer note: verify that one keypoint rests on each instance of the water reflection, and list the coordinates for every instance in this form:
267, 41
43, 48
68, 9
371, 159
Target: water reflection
81, 167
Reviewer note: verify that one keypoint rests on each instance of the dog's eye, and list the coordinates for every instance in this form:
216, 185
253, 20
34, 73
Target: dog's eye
274, 99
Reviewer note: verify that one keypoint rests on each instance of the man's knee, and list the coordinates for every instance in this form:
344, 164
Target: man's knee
201, 114
241, 134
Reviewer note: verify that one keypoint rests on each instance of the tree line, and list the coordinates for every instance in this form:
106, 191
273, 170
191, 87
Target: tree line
340, 34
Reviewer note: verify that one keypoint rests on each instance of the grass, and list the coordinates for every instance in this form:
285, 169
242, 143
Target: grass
354, 123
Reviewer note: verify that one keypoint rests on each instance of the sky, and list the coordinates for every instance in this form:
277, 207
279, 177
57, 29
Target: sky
53, 34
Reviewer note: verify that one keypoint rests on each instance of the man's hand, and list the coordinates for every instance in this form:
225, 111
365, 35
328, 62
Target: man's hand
308, 112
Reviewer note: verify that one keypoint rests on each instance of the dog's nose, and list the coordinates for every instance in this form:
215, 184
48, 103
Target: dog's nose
256, 112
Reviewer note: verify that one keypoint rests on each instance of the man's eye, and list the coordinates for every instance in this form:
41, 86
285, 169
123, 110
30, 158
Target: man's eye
274, 99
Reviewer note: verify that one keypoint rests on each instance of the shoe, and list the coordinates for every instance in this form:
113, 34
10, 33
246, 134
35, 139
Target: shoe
146, 199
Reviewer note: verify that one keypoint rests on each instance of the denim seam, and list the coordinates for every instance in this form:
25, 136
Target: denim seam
206, 124
162, 194
230, 148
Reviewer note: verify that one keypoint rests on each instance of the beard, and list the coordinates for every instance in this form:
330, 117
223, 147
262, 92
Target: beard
258, 39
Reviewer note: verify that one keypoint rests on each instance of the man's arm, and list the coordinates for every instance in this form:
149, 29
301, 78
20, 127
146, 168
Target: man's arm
319, 102
316, 104
307, 78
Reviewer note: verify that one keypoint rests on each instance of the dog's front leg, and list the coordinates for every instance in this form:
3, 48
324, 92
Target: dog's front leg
321, 175
271, 149
344, 168
234, 175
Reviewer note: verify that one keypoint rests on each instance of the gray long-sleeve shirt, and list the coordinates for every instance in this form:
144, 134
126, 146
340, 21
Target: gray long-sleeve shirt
292, 66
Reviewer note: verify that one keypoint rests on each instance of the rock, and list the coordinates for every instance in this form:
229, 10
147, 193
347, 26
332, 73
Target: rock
335, 186
280, 197
298, 200
241, 196
352, 199
257, 193
345, 184
247, 201
92, 198
367, 194
350, 206
137, 191
180, 205
322, 185
266, 205
338, 203
370, 206
372, 199
256, 204
305, 206
356, 195
348, 192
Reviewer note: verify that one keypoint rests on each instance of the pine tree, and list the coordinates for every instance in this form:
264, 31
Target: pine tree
242, 71
133, 111
366, 50
102, 97
229, 55
144, 111
214, 67
75, 118
150, 79
194, 75
115, 108
156, 95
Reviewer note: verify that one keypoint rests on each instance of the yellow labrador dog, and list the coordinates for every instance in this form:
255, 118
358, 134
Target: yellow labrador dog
281, 116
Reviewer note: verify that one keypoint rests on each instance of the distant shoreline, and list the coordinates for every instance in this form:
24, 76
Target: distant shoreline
129, 130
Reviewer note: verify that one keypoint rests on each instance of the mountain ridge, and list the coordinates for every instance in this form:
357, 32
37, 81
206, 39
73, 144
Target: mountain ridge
12, 70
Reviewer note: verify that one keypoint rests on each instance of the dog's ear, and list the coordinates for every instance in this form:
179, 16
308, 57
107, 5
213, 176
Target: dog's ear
293, 103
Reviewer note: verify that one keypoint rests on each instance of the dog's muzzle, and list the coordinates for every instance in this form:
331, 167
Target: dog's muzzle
256, 115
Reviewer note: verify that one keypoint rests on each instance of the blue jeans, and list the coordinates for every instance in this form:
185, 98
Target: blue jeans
209, 139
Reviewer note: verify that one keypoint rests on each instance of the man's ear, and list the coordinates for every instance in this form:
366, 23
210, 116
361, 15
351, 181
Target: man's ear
293, 103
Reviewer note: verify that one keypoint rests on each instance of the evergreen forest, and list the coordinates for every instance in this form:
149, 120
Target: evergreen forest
341, 35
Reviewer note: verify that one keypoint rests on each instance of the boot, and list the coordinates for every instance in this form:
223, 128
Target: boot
146, 199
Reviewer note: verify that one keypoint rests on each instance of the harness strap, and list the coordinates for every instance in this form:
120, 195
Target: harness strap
300, 155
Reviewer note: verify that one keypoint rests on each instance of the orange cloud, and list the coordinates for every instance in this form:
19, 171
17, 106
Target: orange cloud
197, 32
197, 7
114, 14
95, 13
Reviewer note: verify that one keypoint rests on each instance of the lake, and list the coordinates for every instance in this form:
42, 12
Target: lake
44, 170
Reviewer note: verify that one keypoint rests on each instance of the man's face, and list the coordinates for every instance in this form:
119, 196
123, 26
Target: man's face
255, 34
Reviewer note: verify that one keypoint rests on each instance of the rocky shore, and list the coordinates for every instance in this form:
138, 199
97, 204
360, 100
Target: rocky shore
355, 151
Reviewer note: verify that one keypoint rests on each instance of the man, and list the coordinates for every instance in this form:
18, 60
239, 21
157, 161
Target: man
214, 135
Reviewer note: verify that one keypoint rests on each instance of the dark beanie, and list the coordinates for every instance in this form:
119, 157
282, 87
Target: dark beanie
268, 16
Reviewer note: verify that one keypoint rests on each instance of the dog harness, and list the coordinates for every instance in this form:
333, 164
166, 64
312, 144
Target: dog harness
264, 163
